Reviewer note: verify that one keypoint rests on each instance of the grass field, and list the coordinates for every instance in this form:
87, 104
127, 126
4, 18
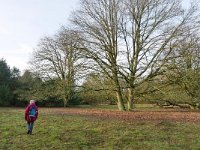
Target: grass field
68, 131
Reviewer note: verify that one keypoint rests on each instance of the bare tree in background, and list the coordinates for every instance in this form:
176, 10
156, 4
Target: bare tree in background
59, 58
184, 69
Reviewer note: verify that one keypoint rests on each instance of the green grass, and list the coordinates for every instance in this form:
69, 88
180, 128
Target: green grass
58, 131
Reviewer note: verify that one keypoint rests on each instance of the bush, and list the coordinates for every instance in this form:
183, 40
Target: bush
21, 103
6, 96
50, 102
75, 100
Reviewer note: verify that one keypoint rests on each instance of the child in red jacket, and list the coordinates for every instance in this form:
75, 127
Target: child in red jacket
31, 114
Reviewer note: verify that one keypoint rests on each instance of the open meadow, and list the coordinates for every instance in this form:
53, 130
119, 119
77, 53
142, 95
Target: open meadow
99, 128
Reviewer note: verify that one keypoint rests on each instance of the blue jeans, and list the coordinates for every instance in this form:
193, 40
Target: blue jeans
30, 127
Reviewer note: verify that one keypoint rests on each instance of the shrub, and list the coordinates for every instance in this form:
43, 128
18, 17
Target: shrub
5, 95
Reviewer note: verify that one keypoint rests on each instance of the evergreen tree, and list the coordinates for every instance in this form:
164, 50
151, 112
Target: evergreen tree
5, 83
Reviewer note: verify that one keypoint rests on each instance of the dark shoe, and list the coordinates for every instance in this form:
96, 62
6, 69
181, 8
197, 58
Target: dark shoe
28, 132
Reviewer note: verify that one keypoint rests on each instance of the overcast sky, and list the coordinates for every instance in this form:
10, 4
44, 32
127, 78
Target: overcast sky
24, 22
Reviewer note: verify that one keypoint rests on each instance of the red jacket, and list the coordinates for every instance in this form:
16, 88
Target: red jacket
27, 117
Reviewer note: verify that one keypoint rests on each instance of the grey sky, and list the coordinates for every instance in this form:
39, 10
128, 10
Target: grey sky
24, 22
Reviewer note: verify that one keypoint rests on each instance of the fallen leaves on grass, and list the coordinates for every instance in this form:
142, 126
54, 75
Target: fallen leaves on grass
169, 115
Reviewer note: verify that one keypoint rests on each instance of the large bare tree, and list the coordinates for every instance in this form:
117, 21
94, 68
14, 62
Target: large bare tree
59, 59
98, 21
151, 29
132, 39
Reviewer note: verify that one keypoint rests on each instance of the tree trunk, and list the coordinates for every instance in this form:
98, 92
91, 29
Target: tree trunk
65, 102
120, 102
130, 99
65, 94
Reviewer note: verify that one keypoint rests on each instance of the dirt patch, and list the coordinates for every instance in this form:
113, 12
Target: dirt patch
169, 115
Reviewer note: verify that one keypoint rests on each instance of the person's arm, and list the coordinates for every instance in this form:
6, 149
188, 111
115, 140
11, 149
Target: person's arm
27, 112
36, 115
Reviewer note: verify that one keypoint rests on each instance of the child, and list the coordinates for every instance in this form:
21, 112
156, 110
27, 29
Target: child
31, 114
